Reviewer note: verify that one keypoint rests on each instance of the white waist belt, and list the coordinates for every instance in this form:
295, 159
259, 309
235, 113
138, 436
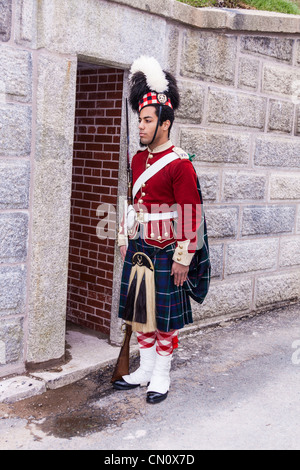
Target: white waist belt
145, 217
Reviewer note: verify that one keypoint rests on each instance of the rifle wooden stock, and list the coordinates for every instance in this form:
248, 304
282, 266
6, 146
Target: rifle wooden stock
122, 365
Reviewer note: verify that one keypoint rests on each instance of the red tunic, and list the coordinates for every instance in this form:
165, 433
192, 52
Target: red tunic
174, 187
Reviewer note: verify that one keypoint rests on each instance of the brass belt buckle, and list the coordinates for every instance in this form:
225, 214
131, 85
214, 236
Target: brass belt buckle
140, 217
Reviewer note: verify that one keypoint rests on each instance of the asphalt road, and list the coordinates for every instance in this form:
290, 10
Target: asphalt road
234, 387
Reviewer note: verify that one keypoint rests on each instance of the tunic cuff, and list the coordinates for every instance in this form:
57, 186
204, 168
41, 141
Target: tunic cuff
122, 239
181, 254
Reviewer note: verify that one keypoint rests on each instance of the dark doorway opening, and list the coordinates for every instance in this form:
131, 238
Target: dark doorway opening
95, 183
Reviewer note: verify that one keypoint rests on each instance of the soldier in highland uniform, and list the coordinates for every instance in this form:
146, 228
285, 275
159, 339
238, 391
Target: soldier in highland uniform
166, 260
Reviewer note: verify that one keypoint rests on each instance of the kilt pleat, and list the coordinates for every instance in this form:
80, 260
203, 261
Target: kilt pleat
173, 307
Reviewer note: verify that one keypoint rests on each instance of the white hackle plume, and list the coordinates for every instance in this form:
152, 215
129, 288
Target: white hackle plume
155, 77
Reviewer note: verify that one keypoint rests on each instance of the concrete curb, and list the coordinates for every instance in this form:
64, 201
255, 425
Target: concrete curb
88, 354
17, 388
218, 18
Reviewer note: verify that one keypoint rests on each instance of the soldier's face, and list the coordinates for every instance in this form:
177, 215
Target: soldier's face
147, 126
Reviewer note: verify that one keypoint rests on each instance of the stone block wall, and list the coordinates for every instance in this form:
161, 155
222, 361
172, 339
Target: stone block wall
240, 116
15, 172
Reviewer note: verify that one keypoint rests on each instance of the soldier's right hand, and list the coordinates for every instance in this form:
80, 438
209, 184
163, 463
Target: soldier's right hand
123, 250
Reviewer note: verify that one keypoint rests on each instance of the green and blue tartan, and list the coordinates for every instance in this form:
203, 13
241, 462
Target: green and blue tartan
199, 275
173, 307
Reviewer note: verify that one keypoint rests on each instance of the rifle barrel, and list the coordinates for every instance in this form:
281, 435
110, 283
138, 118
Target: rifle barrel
129, 172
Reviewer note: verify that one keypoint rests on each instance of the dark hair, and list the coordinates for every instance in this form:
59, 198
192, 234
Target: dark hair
167, 114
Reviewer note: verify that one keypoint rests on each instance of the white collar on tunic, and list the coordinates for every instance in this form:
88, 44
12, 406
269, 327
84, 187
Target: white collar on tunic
161, 148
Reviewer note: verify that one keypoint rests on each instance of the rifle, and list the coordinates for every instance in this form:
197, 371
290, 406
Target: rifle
129, 171
127, 201
122, 365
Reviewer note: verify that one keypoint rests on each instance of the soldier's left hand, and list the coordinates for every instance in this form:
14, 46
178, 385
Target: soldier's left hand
180, 272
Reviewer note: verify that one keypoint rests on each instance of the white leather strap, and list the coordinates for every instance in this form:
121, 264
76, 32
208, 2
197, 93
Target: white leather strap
152, 170
146, 217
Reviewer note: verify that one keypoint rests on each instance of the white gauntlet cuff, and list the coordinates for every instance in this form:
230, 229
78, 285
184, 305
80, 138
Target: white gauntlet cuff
122, 239
181, 254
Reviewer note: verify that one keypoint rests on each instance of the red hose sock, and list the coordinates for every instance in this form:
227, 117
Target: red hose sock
146, 340
166, 342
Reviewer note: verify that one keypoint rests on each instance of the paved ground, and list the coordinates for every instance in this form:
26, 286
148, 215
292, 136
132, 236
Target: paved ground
235, 386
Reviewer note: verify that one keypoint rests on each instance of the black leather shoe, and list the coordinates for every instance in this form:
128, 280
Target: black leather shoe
155, 397
123, 385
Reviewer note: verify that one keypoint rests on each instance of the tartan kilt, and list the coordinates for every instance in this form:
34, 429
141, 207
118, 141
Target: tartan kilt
173, 307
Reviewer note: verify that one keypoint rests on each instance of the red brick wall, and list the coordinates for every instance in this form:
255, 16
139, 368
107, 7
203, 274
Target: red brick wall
95, 182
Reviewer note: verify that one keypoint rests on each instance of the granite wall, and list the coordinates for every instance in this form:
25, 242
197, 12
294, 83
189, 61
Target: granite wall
241, 119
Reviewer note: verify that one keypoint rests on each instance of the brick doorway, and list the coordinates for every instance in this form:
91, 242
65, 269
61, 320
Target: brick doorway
94, 182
